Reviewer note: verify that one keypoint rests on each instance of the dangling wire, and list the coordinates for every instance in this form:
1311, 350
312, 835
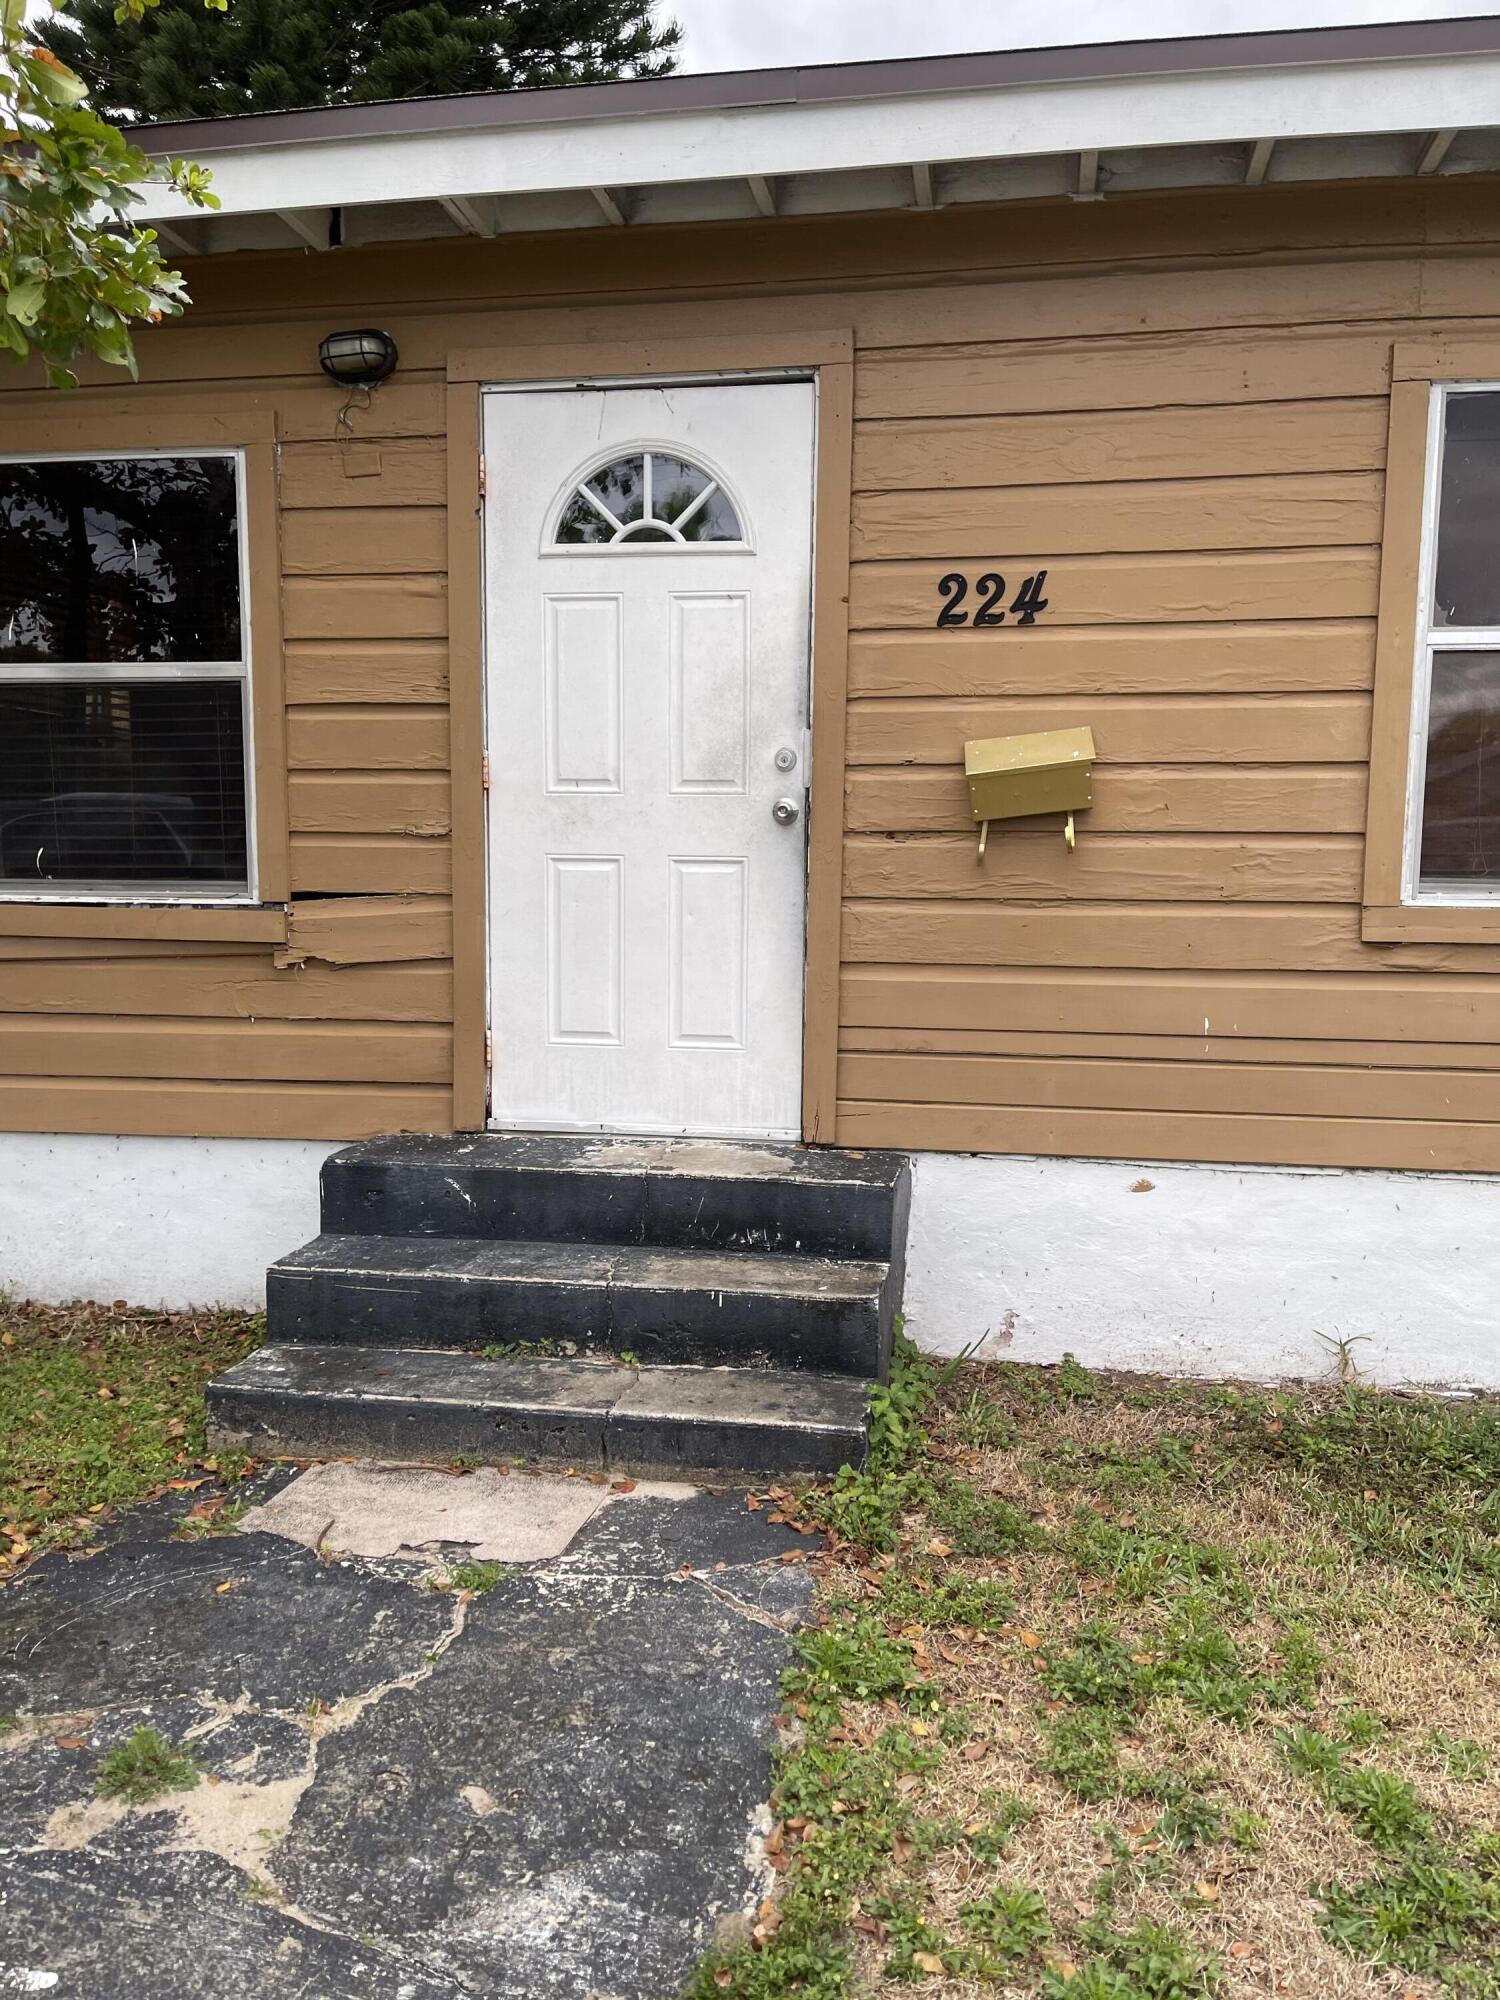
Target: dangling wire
360, 388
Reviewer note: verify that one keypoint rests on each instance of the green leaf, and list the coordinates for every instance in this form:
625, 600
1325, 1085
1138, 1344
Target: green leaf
24, 302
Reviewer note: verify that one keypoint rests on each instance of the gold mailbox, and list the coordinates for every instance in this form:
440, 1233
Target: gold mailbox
1010, 776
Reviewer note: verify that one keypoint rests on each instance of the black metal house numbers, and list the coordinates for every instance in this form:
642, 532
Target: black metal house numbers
989, 607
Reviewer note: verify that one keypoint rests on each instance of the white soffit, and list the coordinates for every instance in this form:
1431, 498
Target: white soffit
1330, 119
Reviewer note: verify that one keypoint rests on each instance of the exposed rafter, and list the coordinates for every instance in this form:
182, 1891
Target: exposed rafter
175, 240
1436, 150
762, 194
466, 214
1260, 161
921, 184
313, 233
611, 209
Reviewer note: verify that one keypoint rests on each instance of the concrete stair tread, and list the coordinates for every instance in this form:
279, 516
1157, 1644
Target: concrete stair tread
615, 1266
631, 1158
312, 1399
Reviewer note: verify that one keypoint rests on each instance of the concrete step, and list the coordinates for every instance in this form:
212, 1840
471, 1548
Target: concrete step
570, 1188
663, 1305
713, 1425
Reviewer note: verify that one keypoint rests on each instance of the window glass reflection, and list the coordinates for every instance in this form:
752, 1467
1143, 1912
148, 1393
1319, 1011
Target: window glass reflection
119, 559
1461, 796
1467, 586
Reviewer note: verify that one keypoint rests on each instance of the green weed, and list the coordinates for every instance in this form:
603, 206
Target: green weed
475, 1577
145, 1767
1433, 1915
1010, 1922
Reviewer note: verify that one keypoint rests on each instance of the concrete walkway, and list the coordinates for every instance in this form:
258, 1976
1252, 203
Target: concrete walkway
554, 1788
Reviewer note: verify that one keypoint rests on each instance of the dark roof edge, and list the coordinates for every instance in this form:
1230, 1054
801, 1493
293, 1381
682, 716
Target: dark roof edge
830, 83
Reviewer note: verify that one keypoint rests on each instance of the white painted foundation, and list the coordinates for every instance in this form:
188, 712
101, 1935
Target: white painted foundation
1243, 1271
157, 1222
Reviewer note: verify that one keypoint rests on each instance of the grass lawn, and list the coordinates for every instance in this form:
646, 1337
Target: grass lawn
100, 1407
1130, 1691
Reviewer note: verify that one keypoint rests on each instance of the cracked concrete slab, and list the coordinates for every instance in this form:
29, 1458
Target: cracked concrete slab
551, 1791
389, 1510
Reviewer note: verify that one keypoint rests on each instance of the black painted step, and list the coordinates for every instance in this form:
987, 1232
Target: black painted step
663, 1305
567, 1188
709, 1424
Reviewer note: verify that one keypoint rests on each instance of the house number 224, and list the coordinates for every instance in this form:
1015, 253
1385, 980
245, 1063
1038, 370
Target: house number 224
988, 607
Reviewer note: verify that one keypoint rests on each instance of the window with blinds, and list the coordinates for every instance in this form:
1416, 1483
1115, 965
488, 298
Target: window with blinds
124, 718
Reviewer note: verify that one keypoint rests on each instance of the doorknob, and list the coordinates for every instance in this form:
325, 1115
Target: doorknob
785, 812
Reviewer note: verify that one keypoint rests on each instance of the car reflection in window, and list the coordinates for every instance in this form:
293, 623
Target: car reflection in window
104, 835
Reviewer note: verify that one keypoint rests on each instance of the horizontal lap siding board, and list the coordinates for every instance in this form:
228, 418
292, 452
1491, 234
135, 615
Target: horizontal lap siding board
266, 1051
1211, 1137
175, 1108
1314, 655
361, 737
1148, 372
1128, 729
1247, 936
1133, 589
370, 864
1378, 1005
1097, 445
376, 671
1129, 798
1310, 510
246, 987
1105, 1084
1217, 1048
1028, 866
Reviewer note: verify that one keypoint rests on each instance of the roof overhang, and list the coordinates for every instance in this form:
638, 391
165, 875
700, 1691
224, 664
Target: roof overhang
1379, 102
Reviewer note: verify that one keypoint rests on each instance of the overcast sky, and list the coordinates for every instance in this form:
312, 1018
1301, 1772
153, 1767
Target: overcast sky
746, 34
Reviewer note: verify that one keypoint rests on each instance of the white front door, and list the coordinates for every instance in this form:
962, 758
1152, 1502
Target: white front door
648, 577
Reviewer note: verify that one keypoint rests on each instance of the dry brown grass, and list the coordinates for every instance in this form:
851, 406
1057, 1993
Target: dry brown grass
1396, 1650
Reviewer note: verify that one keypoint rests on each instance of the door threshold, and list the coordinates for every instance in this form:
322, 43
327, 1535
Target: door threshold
780, 1135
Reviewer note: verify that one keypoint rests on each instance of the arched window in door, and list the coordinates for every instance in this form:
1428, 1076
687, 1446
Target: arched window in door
645, 497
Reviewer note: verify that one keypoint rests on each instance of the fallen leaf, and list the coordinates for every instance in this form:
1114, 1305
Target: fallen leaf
929, 1962
938, 1547
622, 1486
71, 1742
1206, 1891
1030, 1640
977, 1751
723, 1977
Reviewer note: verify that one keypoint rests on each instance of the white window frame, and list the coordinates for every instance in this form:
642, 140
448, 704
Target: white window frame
117, 673
1430, 639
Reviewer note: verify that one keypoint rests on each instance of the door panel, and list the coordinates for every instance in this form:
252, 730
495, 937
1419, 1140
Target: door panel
648, 573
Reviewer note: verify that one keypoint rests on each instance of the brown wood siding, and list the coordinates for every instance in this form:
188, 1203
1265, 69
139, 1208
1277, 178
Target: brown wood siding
1177, 405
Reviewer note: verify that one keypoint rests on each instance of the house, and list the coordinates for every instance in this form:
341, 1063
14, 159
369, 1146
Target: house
558, 721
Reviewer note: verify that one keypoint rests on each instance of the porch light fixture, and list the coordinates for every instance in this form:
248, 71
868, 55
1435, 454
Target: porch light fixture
358, 359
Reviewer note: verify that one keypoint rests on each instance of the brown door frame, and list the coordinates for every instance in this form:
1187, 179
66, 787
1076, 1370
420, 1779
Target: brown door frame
828, 356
